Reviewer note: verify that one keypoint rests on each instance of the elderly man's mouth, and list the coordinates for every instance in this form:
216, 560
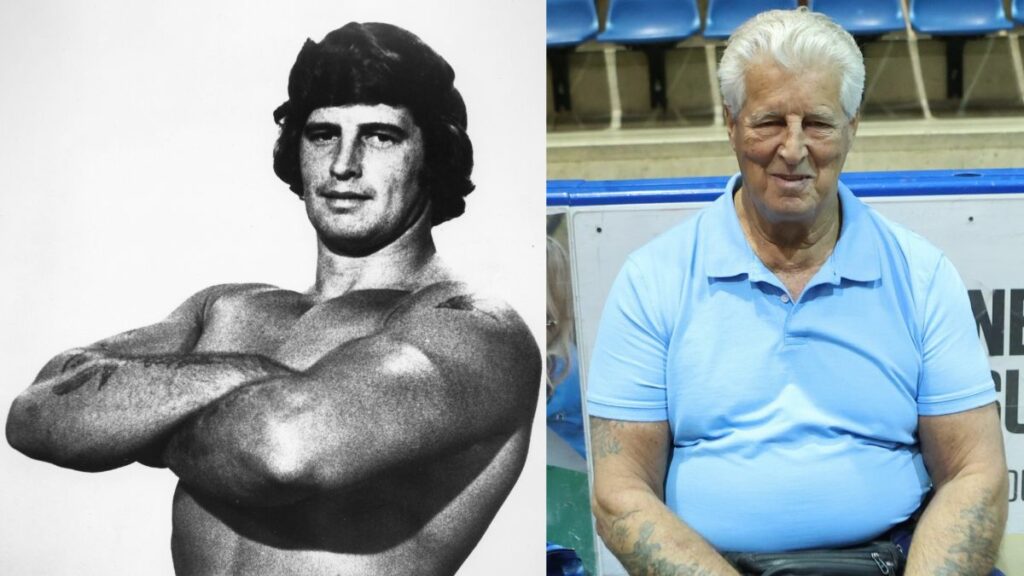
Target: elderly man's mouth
791, 181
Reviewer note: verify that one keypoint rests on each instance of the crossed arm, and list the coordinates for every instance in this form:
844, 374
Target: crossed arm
958, 534
630, 461
246, 429
116, 401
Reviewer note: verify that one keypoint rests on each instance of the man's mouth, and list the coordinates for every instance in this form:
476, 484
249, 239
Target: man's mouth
344, 195
791, 181
792, 177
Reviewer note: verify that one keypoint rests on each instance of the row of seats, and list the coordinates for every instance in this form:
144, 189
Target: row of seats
651, 25
572, 22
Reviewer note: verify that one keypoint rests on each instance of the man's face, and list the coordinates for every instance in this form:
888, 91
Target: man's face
361, 168
791, 139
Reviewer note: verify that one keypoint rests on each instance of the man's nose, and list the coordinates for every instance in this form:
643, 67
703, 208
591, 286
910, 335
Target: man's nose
348, 160
794, 149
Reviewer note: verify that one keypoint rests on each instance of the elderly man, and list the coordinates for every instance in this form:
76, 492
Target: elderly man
371, 425
788, 370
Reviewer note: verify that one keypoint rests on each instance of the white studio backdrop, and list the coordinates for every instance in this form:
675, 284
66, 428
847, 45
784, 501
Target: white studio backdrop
981, 235
136, 165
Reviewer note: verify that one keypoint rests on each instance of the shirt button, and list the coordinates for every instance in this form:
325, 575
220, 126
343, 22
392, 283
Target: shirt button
784, 298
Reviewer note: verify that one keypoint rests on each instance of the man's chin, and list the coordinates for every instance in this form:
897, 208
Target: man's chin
791, 209
351, 245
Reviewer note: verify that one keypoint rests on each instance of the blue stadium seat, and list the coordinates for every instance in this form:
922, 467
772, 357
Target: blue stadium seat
957, 20
633, 22
864, 17
867, 20
570, 23
652, 26
958, 17
724, 16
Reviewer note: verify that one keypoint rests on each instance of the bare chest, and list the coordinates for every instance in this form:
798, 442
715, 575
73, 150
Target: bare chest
286, 327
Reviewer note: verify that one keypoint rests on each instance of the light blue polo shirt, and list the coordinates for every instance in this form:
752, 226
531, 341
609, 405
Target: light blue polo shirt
794, 424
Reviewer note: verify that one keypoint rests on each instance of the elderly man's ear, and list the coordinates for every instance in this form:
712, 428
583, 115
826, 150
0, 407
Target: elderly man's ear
730, 126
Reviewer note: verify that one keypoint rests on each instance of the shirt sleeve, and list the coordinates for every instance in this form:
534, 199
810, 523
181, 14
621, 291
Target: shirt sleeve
955, 373
627, 369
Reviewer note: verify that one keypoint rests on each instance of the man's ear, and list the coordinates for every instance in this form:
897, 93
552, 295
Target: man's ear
730, 126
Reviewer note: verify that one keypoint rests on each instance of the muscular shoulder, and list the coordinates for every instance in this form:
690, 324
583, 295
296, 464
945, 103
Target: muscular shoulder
457, 297
238, 295
467, 331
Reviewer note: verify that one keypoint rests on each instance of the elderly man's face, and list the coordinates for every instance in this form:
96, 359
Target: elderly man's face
791, 139
360, 171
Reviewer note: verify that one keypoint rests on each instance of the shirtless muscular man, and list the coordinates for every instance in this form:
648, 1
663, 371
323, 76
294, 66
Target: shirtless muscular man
371, 425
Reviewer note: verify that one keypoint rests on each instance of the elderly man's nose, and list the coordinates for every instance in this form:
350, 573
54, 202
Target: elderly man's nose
347, 161
794, 149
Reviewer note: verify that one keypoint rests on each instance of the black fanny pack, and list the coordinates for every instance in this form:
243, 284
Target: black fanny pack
881, 557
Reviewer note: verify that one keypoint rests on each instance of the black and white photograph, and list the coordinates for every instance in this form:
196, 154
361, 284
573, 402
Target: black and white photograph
273, 288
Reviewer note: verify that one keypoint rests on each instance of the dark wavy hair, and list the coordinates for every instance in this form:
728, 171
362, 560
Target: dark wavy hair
376, 63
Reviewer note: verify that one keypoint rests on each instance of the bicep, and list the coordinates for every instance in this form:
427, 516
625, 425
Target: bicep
178, 333
625, 453
963, 442
424, 389
448, 374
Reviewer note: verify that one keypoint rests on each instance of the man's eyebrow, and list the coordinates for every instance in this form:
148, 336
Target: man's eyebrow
823, 112
762, 116
317, 126
386, 127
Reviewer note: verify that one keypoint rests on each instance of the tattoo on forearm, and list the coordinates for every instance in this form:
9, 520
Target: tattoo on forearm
645, 558
976, 552
107, 365
101, 372
602, 437
74, 362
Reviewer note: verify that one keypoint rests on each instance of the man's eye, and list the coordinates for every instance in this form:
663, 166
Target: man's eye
381, 139
320, 136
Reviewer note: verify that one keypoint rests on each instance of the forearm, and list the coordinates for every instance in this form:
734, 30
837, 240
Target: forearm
97, 410
960, 530
650, 540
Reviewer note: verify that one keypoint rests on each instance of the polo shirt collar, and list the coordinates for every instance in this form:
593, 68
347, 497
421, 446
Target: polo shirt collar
855, 256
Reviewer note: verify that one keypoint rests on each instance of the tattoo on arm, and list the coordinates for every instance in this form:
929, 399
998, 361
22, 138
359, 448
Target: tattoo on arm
102, 372
464, 302
107, 365
602, 437
979, 542
644, 560
460, 302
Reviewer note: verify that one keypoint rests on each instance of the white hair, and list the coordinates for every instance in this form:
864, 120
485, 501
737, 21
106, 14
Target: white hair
796, 40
